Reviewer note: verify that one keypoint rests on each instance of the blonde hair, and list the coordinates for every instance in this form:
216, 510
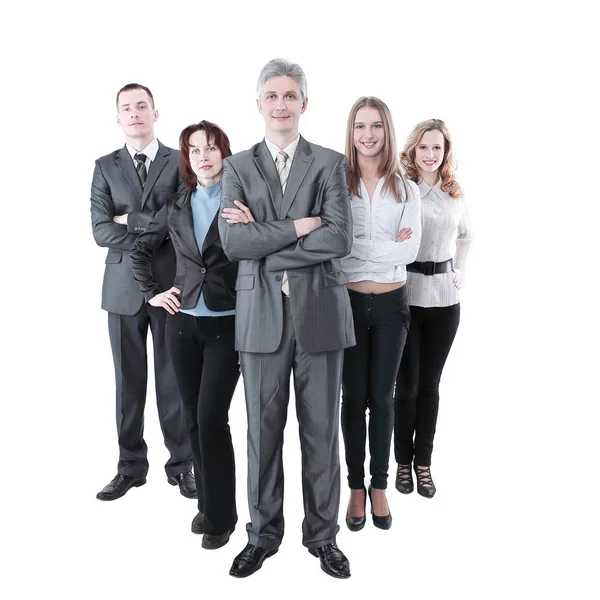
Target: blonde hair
389, 164
448, 166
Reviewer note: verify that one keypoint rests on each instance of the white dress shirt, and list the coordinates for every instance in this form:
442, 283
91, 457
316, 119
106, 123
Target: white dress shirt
376, 255
446, 234
150, 151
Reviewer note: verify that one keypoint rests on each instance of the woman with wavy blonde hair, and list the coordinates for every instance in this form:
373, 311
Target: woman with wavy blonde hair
432, 284
386, 215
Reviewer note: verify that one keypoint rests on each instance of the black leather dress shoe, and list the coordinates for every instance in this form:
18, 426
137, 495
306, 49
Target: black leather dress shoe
404, 480
357, 523
249, 560
212, 542
333, 561
383, 522
198, 523
186, 483
119, 486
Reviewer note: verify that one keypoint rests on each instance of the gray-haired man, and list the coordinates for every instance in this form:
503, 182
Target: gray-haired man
286, 218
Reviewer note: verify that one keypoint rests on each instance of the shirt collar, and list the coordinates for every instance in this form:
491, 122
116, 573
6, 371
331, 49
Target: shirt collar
150, 150
424, 189
290, 149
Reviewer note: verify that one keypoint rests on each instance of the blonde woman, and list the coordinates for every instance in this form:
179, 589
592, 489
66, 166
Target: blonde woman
433, 283
386, 215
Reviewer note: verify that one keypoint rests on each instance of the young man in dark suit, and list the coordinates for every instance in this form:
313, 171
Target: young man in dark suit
129, 187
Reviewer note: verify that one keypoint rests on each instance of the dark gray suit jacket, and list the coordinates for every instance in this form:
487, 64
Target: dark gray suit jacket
116, 190
316, 186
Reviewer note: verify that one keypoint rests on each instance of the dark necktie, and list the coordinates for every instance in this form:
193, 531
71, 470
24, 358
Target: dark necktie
140, 159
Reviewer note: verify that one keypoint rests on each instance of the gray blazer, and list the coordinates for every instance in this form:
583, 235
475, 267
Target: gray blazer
116, 190
316, 186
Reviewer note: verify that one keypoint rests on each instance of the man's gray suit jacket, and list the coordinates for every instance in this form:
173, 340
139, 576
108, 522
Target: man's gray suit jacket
116, 190
320, 306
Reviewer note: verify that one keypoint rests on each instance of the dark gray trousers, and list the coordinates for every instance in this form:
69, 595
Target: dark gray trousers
128, 336
317, 380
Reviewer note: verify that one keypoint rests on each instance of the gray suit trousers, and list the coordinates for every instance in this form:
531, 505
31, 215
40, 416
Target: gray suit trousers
317, 380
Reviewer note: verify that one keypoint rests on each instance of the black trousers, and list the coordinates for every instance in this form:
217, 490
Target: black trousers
430, 337
381, 324
128, 336
206, 366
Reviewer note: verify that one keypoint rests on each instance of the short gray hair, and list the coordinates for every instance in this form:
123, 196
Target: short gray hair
280, 67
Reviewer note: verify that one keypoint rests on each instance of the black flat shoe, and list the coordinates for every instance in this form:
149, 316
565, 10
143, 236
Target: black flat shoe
425, 485
186, 483
333, 561
384, 522
212, 542
249, 560
198, 523
119, 486
357, 523
404, 480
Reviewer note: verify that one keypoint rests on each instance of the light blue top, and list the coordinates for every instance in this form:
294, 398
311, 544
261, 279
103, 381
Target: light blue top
205, 204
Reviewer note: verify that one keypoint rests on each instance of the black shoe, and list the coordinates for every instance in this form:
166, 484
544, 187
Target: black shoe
119, 486
249, 560
212, 542
404, 480
357, 523
384, 522
186, 483
198, 523
425, 486
333, 561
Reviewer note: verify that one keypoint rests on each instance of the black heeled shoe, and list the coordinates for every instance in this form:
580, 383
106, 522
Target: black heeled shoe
425, 485
357, 523
404, 480
384, 522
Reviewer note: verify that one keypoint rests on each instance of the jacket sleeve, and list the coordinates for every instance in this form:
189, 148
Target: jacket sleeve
391, 252
246, 241
143, 250
333, 239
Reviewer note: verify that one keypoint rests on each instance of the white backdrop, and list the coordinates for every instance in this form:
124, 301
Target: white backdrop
515, 454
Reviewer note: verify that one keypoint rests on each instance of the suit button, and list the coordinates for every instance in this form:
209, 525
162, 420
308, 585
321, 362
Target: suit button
202, 270
278, 278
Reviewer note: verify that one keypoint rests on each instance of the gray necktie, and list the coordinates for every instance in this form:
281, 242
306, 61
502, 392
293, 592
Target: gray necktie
140, 159
283, 172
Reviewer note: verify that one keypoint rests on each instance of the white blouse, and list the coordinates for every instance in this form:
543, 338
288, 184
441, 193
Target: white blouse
446, 234
375, 254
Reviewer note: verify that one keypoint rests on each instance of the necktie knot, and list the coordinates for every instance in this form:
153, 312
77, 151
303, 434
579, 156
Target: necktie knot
281, 159
140, 158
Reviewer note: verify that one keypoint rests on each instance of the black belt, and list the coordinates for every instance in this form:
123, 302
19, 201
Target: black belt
430, 267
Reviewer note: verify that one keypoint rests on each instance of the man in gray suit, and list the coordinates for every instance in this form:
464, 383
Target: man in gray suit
286, 218
129, 187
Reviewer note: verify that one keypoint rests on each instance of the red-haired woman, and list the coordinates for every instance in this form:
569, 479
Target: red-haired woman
432, 285
200, 328
386, 215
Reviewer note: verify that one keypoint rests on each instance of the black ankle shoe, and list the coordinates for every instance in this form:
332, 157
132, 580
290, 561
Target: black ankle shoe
119, 486
404, 480
333, 561
249, 560
212, 542
425, 486
357, 523
186, 483
198, 523
384, 522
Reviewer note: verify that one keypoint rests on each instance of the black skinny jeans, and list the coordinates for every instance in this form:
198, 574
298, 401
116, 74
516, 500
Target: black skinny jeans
206, 368
381, 324
430, 337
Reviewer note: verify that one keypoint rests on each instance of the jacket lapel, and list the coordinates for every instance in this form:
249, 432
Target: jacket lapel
266, 165
300, 165
123, 159
183, 220
156, 166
